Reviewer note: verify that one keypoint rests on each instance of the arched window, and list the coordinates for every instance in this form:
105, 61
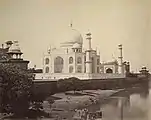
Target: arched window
93, 65
109, 70
14, 56
98, 70
84, 58
79, 60
71, 69
98, 61
58, 64
79, 69
47, 70
70, 60
47, 61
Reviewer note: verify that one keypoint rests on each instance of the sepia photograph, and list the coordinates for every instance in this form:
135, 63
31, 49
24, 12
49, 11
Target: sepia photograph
75, 59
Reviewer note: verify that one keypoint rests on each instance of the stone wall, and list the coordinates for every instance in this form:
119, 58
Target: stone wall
81, 76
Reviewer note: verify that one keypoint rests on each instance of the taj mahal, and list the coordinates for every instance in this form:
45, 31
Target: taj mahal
70, 60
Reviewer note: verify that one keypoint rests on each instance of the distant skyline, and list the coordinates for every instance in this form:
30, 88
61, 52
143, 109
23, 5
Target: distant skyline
37, 24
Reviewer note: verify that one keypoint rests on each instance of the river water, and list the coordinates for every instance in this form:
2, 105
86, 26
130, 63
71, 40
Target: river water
133, 104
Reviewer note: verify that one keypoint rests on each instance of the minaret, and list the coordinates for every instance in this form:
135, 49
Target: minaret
88, 54
89, 40
121, 70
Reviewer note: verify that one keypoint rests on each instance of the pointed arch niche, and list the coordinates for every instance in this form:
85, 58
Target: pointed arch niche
58, 64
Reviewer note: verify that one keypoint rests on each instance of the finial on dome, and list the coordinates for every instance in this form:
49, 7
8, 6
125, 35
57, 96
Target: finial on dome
113, 56
49, 49
71, 24
88, 33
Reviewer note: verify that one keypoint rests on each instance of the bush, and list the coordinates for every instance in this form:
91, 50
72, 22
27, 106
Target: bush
69, 84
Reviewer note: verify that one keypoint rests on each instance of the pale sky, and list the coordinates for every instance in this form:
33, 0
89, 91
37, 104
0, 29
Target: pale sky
36, 24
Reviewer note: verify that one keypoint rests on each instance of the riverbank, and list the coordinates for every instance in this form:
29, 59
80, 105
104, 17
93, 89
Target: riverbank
68, 102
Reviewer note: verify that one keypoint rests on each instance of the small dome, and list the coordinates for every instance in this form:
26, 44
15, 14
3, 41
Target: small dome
14, 48
111, 62
77, 45
73, 36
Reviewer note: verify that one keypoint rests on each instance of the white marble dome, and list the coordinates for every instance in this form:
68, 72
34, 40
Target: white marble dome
72, 36
77, 45
14, 48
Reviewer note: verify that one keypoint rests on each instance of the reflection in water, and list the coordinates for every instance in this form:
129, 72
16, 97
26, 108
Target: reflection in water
136, 105
149, 105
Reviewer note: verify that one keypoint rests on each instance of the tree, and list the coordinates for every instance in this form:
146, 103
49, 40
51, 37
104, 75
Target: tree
16, 89
72, 83
75, 84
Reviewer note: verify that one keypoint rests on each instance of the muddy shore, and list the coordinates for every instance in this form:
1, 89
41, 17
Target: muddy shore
68, 102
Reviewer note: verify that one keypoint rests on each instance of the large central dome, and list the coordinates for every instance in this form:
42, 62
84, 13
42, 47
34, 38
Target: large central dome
73, 36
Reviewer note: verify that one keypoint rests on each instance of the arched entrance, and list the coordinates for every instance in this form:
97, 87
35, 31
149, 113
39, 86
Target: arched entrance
58, 64
109, 70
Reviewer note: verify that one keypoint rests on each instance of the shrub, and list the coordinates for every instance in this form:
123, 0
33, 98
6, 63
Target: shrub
72, 83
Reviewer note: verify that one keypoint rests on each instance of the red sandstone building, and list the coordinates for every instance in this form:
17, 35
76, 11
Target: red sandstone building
10, 53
